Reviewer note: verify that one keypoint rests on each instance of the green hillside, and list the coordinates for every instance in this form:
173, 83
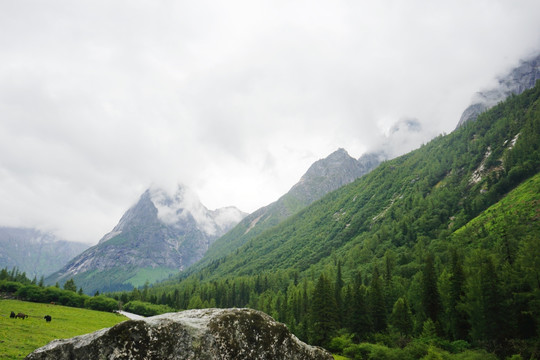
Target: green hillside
423, 195
431, 253
21, 337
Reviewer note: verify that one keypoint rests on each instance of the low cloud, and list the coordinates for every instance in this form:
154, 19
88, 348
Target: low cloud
100, 99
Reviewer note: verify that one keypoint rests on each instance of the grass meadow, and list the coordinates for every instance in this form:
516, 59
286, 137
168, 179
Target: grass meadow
19, 337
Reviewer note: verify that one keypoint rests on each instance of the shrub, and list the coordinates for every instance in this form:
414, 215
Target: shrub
9, 286
101, 303
146, 309
339, 343
375, 352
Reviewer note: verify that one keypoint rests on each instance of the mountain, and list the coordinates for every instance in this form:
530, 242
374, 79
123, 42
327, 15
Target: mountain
415, 195
158, 236
440, 243
322, 177
519, 79
35, 252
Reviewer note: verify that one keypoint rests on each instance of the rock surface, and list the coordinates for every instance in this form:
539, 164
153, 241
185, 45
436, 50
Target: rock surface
194, 334
518, 80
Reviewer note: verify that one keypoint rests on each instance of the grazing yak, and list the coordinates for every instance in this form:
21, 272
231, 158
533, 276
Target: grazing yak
12, 315
21, 315
47, 318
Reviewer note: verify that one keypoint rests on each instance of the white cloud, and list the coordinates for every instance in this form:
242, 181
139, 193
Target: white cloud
100, 99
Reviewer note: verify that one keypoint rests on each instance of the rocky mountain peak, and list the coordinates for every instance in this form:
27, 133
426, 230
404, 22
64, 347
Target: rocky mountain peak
161, 234
339, 160
519, 79
180, 210
330, 173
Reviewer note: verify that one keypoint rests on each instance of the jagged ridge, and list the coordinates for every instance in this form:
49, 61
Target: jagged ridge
158, 236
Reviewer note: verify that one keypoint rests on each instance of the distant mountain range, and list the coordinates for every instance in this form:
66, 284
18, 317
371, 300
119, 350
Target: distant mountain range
35, 252
519, 79
158, 236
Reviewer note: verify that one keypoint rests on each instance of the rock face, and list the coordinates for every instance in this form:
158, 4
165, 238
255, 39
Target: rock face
35, 252
209, 334
517, 81
329, 174
158, 236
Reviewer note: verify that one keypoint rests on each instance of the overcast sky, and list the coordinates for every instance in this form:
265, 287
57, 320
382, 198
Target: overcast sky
101, 99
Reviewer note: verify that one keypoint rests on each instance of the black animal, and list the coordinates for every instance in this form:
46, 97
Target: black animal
21, 315
12, 315
47, 318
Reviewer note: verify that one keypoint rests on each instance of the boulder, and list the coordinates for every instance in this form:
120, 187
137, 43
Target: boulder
192, 334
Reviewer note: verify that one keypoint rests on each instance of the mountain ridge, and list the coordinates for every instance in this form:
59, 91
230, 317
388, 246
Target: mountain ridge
322, 177
484, 163
516, 81
35, 252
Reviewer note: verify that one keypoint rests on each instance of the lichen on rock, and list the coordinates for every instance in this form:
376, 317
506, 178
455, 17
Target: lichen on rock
193, 334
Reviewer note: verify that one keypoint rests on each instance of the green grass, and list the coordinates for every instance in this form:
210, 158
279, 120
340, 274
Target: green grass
19, 337
340, 357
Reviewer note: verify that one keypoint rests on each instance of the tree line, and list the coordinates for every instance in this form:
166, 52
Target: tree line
472, 301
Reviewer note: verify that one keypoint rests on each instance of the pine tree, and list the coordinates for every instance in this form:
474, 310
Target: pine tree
338, 287
144, 292
323, 312
458, 322
431, 300
377, 303
360, 322
484, 301
70, 285
401, 318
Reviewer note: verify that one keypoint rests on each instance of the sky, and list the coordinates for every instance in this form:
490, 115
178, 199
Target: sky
101, 99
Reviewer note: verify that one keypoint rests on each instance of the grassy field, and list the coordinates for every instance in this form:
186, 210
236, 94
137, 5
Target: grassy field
19, 337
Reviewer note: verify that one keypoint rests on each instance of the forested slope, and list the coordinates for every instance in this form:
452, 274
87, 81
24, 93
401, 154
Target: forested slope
423, 195
437, 249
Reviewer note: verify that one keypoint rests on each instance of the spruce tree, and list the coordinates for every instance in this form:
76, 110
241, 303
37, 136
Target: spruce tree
338, 286
360, 322
484, 301
70, 285
401, 318
431, 300
458, 322
377, 303
323, 312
